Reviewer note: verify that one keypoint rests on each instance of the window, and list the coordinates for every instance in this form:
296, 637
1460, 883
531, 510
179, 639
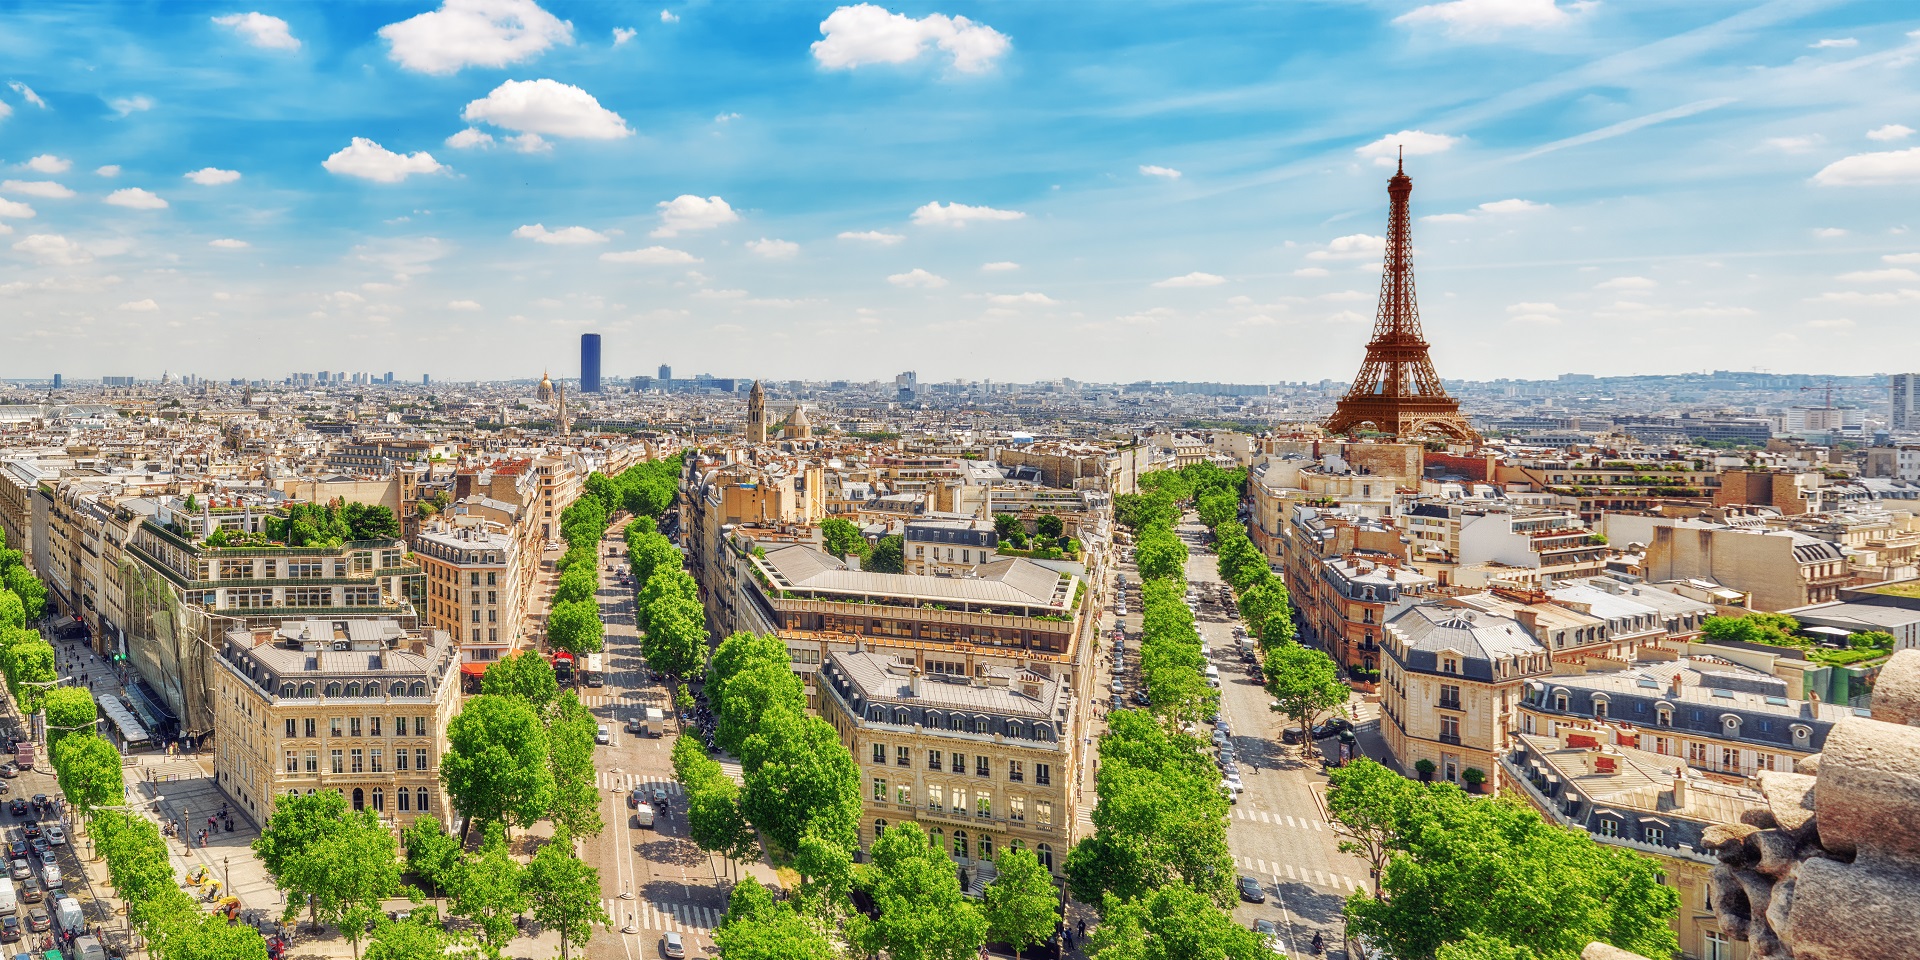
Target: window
332, 689
359, 799
402, 796
983, 805
400, 760
373, 726
1729, 758
933, 759
293, 727
420, 760
1606, 828
1450, 696
879, 789
1044, 854
379, 799
1715, 946
490, 582
1655, 836
310, 724
1599, 709
903, 756
1043, 812
1017, 809
959, 802
419, 723
982, 766
936, 797
1016, 771
353, 726
420, 800
313, 761
1449, 665
903, 794
879, 828
339, 764
959, 763
359, 761
1449, 729
293, 762
960, 844
306, 690
880, 753
379, 765
1042, 774
333, 726
399, 725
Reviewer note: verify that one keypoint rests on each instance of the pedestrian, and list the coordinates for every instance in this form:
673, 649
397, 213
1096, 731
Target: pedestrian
1083, 929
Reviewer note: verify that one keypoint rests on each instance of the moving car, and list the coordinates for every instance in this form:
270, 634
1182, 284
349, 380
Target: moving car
9, 770
19, 870
56, 835
603, 736
671, 947
1269, 935
37, 919
18, 807
643, 817
635, 726
1250, 890
9, 928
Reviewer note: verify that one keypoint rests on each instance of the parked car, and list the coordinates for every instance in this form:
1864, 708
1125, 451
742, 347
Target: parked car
1250, 890
1293, 735
1233, 783
1332, 728
9, 770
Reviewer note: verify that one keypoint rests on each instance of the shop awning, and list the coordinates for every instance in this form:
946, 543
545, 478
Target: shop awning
473, 669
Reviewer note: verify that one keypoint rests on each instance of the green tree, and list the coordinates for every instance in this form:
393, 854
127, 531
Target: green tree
1005, 524
826, 875
739, 652
1159, 555
1306, 683
29, 663
1160, 816
487, 888
1871, 640
748, 903
350, 871
407, 939
580, 583
199, 936
32, 593
574, 626
13, 613
1049, 525
1492, 866
70, 710
564, 893
782, 935
1171, 922
923, 915
799, 777
570, 745
1479, 946
89, 772
495, 764
1373, 808
750, 694
651, 553
432, 852
889, 555
1022, 908
841, 537
526, 675
300, 825
676, 639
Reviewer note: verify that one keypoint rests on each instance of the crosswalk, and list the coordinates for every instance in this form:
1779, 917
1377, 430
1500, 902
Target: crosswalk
1288, 873
624, 782
1297, 823
662, 917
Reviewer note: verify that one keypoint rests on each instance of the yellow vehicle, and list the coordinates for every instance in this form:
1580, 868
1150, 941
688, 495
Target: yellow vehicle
196, 874
229, 907
212, 888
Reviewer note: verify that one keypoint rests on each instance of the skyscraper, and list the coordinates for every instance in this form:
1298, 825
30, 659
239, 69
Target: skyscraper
666, 375
589, 363
1906, 403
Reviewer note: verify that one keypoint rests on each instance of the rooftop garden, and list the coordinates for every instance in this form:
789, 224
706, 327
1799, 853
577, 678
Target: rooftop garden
1780, 630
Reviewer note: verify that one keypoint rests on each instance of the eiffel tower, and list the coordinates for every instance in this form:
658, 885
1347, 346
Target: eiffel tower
1397, 393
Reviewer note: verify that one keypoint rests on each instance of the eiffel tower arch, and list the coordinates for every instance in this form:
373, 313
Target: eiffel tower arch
1397, 392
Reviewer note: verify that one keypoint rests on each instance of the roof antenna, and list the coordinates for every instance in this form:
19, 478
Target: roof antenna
1402, 167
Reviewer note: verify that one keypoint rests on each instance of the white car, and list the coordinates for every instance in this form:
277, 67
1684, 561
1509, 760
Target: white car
1233, 783
671, 947
603, 736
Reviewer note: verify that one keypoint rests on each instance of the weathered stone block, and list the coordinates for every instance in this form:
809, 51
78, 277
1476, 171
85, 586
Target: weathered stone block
1896, 694
1853, 912
1869, 790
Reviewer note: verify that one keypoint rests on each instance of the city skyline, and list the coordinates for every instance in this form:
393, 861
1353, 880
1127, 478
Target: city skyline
970, 190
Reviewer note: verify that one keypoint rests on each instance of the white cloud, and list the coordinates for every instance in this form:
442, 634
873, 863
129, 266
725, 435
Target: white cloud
688, 212
1512, 206
6, 110
110, 170
774, 249
1466, 18
959, 214
1793, 144
917, 278
131, 105
1355, 246
1626, 283
470, 137
565, 236
1447, 218
15, 209
1385, 151
26, 93
622, 35
1150, 170
135, 198
881, 237
46, 189
1833, 42
1535, 319
1903, 295
712, 294
863, 34
651, 256
474, 33
1829, 233
1901, 258
1310, 272
1000, 266
48, 163
370, 161
1872, 169
549, 107
140, 306
1533, 307
228, 243
1837, 323
725, 117
1892, 131
52, 248
213, 176
668, 16
1195, 279
463, 305
1875, 276
1015, 299
267, 33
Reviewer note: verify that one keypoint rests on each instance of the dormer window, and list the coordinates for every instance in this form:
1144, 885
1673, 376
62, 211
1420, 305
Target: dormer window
1449, 665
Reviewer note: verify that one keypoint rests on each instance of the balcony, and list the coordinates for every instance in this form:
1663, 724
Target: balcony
1451, 739
1449, 703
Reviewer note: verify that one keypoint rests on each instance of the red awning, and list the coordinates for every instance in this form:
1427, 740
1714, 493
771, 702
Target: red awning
473, 669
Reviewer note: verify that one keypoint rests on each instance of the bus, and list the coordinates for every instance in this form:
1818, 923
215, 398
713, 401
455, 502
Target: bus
595, 673
563, 668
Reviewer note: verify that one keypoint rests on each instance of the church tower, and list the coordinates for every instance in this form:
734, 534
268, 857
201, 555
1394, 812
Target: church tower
756, 414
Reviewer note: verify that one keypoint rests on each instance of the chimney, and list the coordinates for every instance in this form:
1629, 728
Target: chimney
853, 562
1673, 686
1680, 788
913, 682
1812, 708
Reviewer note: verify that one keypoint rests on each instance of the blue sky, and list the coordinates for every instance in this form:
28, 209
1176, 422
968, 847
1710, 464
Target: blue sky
1104, 191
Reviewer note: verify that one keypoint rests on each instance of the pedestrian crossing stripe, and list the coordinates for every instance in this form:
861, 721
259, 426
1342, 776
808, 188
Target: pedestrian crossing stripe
623, 782
661, 918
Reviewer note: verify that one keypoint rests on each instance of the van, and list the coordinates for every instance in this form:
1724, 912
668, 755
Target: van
89, 948
23, 754
643, 815
50, 875
67, 913
656, 722
9, 901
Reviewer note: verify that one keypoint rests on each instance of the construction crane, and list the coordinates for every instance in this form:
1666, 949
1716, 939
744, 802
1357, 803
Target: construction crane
1827, 390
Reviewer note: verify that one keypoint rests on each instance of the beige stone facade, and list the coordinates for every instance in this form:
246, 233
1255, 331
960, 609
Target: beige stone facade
357, 706
1451, 683
477, 585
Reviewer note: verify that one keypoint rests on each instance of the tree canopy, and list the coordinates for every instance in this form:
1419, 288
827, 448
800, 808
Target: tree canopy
495, 765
